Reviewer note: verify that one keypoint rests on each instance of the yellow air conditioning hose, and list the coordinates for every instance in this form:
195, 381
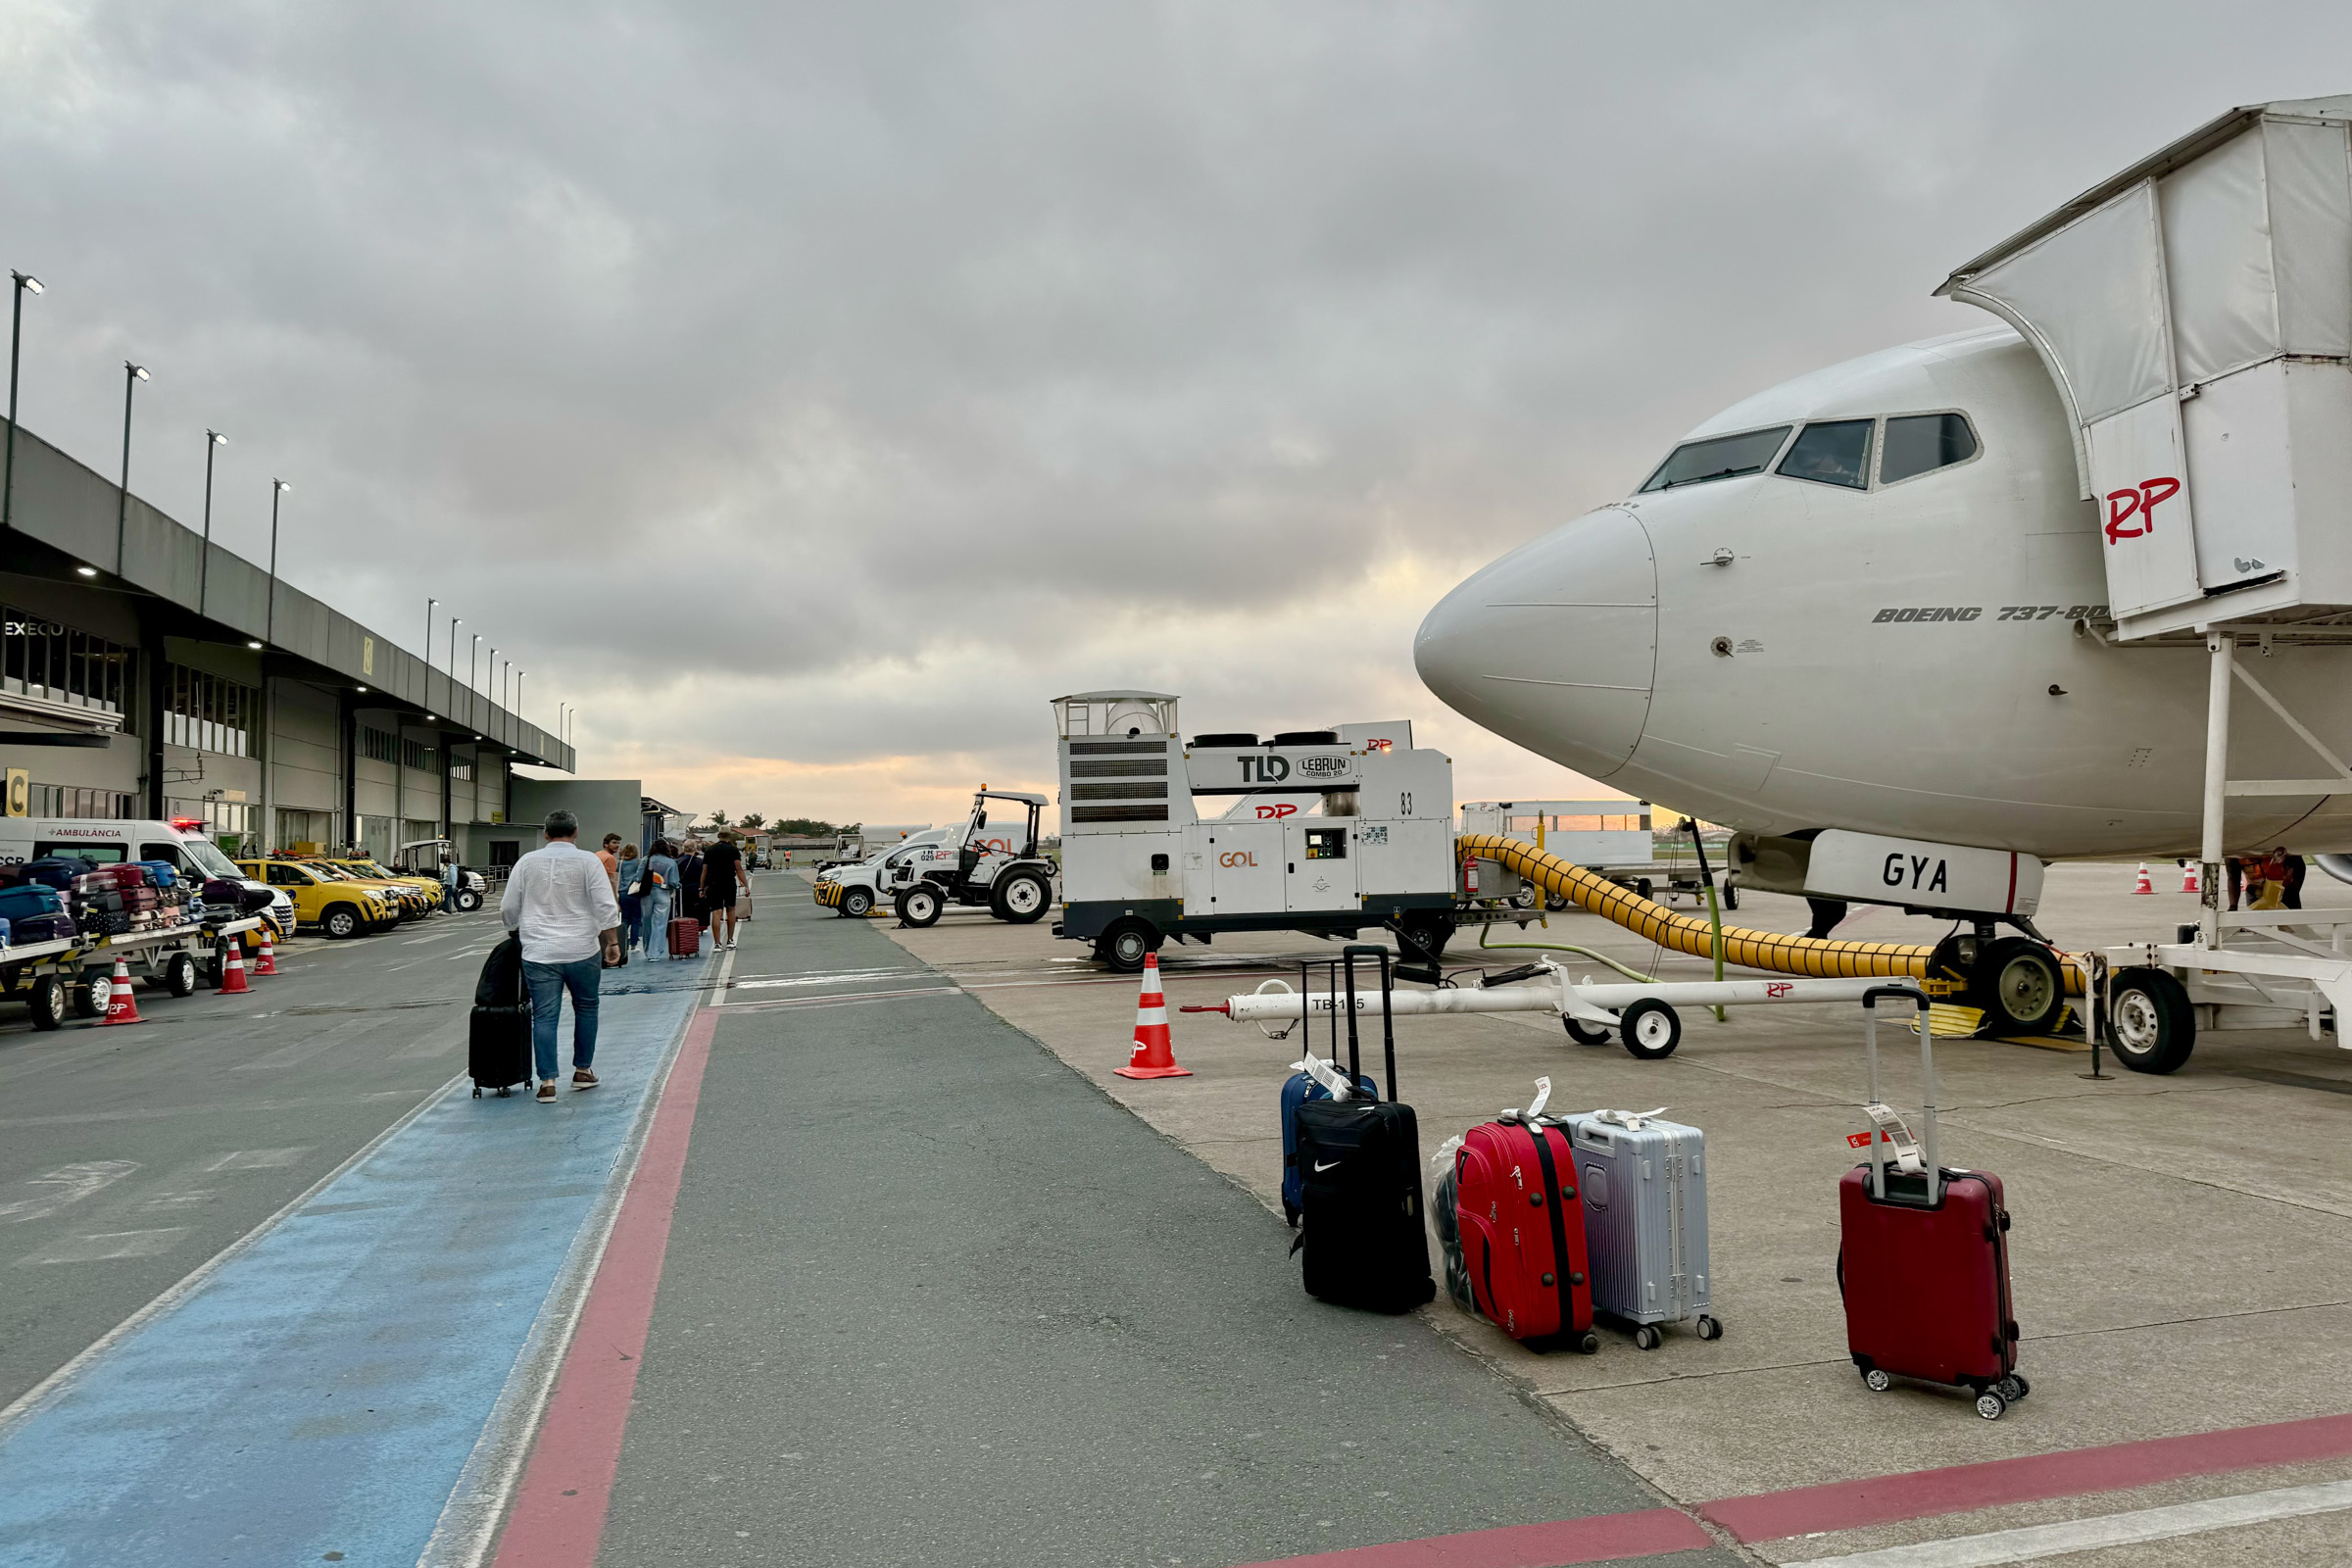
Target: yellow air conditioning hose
1817, 957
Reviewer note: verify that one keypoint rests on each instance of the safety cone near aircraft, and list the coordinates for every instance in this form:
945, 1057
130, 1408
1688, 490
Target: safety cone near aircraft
1153, 1057
2188, 878
121, 1006
2146, 886
266, 963
232, 973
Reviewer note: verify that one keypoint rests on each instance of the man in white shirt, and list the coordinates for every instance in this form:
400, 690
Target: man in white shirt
560, 902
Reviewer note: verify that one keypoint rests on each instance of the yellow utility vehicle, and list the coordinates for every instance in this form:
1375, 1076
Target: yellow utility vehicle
326, 900
422, 889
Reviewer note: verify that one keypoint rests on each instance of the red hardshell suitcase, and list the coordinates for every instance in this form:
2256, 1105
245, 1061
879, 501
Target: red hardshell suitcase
685, 939
1922, 1258
1522, 1230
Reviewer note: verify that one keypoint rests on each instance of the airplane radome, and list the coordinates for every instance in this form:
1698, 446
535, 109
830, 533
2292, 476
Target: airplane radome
1880, 609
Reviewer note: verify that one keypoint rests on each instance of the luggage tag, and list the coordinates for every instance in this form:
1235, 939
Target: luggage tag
1892, 1131
1532, 1115
1329, 1076
1631, 1120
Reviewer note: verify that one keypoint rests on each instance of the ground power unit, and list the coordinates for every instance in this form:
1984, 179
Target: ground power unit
1325, 831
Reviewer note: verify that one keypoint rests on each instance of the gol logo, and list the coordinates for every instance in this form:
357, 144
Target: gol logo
2124, 505
1233, 859
1277, 811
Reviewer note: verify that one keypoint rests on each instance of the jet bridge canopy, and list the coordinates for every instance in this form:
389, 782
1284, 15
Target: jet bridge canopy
2195, 312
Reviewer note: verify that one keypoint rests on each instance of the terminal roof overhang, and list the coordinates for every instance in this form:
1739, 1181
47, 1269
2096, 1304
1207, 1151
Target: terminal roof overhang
70, 509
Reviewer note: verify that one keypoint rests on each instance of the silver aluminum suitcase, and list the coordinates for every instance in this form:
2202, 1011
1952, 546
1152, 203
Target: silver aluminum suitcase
1644, 1186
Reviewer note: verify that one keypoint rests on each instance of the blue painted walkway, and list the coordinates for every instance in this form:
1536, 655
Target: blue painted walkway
322, 1392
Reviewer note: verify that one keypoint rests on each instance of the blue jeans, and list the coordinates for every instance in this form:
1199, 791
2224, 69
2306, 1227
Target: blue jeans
632, 920
656, 921
548, 983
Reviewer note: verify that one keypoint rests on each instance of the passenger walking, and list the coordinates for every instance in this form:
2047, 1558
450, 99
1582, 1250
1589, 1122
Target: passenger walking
560, 902
450, 877
632, 902
723, 877
660, 887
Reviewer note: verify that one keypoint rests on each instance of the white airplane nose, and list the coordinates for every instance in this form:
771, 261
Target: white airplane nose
1554, 645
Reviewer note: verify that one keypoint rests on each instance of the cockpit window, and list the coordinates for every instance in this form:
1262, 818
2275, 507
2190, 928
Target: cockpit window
1922, 443
1834, 452
1718, 457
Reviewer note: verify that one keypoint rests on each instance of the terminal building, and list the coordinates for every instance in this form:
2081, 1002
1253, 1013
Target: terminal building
149, 675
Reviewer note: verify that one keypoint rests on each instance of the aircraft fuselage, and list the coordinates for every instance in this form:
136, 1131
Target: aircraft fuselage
1896, 657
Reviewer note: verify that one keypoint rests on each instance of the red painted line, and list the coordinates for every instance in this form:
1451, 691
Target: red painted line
1552, 1546
1960, 1488
558, 1518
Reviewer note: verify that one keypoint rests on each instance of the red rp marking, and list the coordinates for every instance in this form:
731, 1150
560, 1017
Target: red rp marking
1777, 988
1277, 811
2124, 505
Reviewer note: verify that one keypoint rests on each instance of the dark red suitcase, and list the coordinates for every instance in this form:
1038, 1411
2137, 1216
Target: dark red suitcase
1523, 1232
1922, 1258
685, 939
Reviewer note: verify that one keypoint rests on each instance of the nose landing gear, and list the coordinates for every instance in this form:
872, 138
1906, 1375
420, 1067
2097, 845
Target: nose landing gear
2017, 982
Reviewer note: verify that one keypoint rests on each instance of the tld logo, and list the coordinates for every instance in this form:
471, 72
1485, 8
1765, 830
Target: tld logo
2124, 505
1265, 770
1276, 812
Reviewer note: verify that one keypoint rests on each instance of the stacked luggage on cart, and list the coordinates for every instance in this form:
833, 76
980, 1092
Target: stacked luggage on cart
129, 897
35, 911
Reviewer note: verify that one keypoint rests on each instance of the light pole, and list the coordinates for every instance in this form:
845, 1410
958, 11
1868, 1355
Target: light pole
277, 487
204, 572
473, 690
430, 606
451, 692
132, 375
518, 674
25, 284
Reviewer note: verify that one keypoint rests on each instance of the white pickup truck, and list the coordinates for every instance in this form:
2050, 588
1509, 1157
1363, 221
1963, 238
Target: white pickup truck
852, 891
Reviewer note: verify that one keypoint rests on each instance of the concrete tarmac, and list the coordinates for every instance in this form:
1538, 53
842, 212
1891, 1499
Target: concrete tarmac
932, 1297
2179, 1252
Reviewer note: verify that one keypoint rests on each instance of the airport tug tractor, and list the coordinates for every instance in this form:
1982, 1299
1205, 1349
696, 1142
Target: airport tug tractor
1324, 831
1006, 873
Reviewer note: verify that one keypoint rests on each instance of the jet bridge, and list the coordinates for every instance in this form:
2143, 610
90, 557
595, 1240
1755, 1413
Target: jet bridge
2195, 314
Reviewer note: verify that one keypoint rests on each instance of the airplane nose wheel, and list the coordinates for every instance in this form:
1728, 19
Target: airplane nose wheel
2015, 982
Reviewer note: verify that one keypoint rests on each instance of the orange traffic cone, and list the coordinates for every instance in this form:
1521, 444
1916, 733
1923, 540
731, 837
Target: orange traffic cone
2146, 886
1153, 1057
266, 963
120, 1005
232, 977
2188, 878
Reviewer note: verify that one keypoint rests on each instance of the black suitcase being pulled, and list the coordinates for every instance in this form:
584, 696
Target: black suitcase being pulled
499, 1032
1360, 1221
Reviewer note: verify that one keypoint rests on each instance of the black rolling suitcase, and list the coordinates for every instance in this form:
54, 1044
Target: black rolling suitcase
498, 1052
1360, 1227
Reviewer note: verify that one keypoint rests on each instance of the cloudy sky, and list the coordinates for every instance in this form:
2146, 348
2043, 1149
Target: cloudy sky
809, 393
